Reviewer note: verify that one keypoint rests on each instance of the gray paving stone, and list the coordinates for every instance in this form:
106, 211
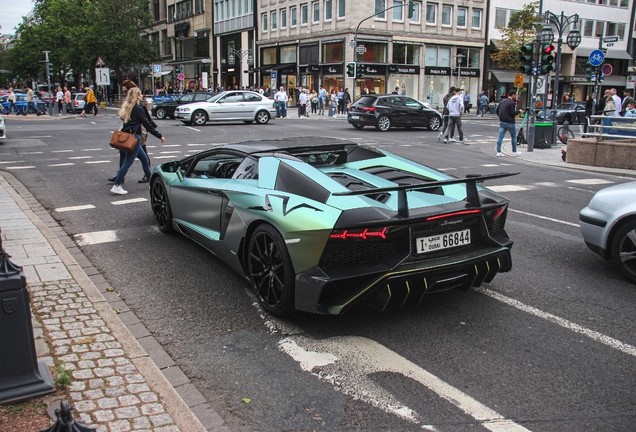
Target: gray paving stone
190, 395
175, 376
156, 352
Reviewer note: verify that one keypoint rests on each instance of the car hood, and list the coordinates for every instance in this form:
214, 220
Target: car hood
614, 199
195, 105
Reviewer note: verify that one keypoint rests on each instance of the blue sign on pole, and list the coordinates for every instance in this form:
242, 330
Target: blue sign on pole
597, 57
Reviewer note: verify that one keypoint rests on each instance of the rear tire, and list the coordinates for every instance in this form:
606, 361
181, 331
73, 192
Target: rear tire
434, 123
161, 113
624, 250
262, 117
161, 205
384, 124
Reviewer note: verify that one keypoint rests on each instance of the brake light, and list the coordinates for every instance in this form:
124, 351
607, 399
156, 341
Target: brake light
368, 108
365, 234
499, 211
453, 214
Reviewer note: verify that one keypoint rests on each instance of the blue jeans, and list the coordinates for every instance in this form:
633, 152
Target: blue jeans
283, 108
130, 158
482, 109
510, 127
35, 107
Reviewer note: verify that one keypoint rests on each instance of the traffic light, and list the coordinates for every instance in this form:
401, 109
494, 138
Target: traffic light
351, 70
546, 59
411, 9
360, 70
527, 58
589, 70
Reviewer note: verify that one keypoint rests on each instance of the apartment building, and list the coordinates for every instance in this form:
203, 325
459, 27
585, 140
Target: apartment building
307, 43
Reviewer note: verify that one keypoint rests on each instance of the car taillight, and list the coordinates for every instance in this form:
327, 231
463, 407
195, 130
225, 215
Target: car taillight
76, 103
494, 214
363, 233
368, 108
453, 214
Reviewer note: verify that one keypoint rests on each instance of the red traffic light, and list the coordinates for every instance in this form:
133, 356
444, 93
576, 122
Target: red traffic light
548, 48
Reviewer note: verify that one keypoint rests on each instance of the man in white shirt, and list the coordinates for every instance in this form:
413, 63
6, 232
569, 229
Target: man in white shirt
281, 98
618, 102
455, 108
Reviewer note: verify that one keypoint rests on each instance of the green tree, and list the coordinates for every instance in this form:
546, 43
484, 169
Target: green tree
521, 30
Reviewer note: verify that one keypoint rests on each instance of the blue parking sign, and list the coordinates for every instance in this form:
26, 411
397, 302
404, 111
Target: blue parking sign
597, 57
157, 68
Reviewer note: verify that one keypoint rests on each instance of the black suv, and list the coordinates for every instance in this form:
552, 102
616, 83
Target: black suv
384, 111
167, 108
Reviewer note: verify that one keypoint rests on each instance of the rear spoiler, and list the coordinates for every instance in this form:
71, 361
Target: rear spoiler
471, 180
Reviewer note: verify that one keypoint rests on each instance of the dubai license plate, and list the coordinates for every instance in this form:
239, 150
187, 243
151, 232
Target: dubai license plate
355, 117
442, 241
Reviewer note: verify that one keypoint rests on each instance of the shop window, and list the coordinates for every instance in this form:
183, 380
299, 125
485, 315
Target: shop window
473, 58
274, 23
376, 53
447, 13
398, 12
264, 22
462, 57
294, 16
406, 54
431, 56
316, 9
332, 52
342, 7
476, 24
268, 56
588, 28
416, 12
431, 13
328, 10
380, 5
288, 54
283, 18
461, 17
304, 14
444, 57
309, 54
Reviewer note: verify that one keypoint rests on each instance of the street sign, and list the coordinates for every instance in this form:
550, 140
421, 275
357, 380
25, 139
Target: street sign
518, 80
181, 77
610, 44
593, 77
156, 68
352, 44
100, 62
102, 76
602, 78
597, 57
607, 39
607, 69
361, 49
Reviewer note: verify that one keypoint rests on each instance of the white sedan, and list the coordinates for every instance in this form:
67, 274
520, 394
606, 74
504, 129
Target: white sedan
234, 105
3, 129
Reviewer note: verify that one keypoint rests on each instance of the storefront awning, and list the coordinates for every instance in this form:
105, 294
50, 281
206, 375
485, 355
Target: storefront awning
508, 77
612, 54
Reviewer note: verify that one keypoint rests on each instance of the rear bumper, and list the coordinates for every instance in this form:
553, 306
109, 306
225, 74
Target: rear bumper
363, 119
404, 284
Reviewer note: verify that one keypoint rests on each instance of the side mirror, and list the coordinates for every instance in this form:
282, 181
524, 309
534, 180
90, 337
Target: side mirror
171, 167
421, 107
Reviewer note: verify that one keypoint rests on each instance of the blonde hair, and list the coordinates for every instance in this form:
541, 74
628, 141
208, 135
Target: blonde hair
129, 104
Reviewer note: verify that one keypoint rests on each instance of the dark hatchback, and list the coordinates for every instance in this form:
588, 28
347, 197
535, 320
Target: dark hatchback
386, 111
167, 108
573, 112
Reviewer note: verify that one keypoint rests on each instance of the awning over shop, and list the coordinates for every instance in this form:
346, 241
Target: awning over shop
508, 77
612, 54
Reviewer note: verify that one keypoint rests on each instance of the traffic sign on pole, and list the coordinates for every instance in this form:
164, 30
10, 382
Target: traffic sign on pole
607, 69
597, 57
100, 62
181, 77
608, 39
518, 80
102, 76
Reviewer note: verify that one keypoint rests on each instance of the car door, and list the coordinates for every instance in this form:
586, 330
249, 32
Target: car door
417, 115
253, 102
229, 107
399, 111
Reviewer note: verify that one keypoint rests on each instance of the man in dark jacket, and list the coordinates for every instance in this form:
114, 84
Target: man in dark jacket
589, 104
507, 111
450, 94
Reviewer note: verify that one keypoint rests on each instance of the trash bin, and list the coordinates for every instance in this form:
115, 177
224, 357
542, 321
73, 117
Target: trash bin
22, 376
492, 108
543, 131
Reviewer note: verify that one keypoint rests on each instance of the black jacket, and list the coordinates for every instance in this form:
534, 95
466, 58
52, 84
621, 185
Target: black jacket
507, 111
588, 106
137, 118
600, 106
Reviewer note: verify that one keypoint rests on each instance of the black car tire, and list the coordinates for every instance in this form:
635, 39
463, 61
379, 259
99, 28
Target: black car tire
271, 271
262, 117
624, 242
383, 124
434, 123
199, 117
358, 126
161, 205
161, 113
248, 121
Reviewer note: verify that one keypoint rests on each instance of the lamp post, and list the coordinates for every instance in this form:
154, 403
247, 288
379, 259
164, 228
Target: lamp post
240, 54
561, 23
459, 69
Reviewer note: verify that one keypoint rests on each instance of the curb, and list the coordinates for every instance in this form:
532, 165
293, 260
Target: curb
178, 395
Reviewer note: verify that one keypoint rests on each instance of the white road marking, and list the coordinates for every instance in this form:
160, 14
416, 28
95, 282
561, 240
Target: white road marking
42, 136
129, 201
93, 122
446, 169
196, 145
10, 162
405, 145
168, 152
193, 151
96, 162
75, 208
193, 129
62, 164
97, 149
163, 157
95, 238
30, 153
490, 165
509, 188
544, 217
346, 363
582, 190
81, 157
548, 184
19, 167
9, 154
61, 151
590, 181
504, 164
151, 146
172, 145
596, 336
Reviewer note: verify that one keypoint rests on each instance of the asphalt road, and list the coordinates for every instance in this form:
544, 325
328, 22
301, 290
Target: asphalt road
548, 346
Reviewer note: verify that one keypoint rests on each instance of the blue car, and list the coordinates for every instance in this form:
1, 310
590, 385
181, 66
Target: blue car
21, 104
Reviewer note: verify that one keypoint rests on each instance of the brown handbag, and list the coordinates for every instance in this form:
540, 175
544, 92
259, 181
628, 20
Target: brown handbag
124, 141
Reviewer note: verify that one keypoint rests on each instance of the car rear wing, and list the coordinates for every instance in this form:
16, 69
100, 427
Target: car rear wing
471, 180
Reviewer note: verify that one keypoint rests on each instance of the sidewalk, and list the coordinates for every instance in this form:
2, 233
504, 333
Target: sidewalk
121, 379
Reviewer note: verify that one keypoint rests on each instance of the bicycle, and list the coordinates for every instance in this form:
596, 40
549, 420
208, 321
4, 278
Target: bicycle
564, 133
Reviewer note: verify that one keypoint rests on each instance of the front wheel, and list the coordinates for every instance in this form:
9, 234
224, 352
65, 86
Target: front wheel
200, 118
624, 250
434, 123
262, 117
270, 270
565, 134
384, 124
358, 126
161, 205
161, 113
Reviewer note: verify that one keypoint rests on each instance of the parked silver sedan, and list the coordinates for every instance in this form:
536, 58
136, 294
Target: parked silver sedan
3, 129
231, 105
608, 225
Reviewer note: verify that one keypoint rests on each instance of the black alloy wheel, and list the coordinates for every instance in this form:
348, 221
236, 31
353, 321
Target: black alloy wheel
161, 113
624, 250
161, 205
434, 123
384, 123
270, 270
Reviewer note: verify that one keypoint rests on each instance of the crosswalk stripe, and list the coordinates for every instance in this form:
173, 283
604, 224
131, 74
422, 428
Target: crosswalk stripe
590, 181
81, 157
75, 208
62, 151
62, 164
19, 167
164, 157
129, 201
96, 162
509, 188
96, 237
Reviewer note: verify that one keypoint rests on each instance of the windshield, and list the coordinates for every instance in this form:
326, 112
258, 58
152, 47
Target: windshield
216, 97
566, 106
365, 101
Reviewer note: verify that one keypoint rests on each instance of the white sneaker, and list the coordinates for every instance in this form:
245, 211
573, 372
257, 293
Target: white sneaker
517, 153
445, 141
464, 140
452, 140
499, 154
439, 136
118, 190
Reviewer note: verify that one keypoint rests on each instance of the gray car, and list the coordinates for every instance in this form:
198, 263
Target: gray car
246, 106
608, 225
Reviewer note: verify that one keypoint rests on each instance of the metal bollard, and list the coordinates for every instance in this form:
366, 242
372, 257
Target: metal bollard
65, 421
22, 376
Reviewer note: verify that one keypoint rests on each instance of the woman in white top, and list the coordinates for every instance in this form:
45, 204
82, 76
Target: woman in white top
59, 98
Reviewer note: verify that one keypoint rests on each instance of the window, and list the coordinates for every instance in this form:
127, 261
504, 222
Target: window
588, 28
613, 2
198, 7
376, 53
416, 12
380, 5
599, 28
171, 16
447, 13
309, 54
283, 18
398, 12
184, 9
268, 56
288, 54
431, 56
316, 9
274, 23
304, 14
610, 29
328, 11
155, 9
621, 31
264, 22
476, 18
406, 54
332, 53
500, 18
437, 56
461, 17
624, 3
342, 7
431, 13
294, 16
473, 58
444, 57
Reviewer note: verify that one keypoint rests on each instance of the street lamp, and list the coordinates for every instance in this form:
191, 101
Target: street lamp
459, 68
561, 23
240, 55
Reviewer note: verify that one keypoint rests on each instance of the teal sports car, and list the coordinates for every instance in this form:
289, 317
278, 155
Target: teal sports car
320, 224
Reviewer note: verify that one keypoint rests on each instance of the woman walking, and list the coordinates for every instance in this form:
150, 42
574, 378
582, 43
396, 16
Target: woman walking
134, 117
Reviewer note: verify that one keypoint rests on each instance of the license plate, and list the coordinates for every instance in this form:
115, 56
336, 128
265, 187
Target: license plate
442, 241
355, 117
